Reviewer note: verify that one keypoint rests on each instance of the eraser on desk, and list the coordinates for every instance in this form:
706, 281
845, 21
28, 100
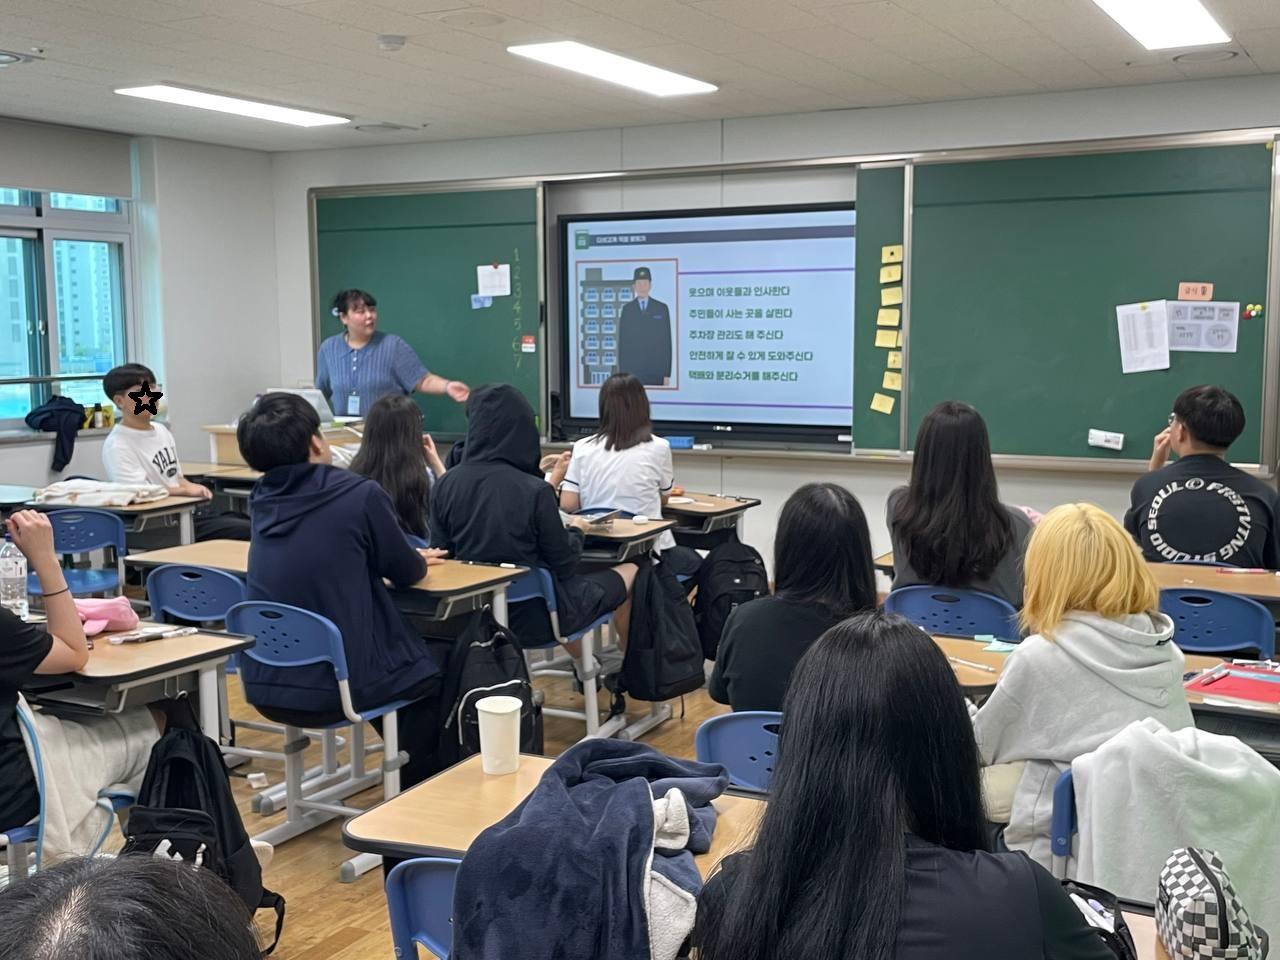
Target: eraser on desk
702, 446
680, 443
1106, 439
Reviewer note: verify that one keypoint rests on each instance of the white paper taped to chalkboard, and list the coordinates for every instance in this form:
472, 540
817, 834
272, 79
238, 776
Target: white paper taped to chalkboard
1107, 439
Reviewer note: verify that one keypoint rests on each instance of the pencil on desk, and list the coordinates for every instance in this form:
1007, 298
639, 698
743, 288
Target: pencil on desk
970, 663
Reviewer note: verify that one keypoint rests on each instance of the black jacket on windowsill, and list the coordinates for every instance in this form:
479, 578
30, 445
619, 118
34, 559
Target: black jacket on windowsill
62, 416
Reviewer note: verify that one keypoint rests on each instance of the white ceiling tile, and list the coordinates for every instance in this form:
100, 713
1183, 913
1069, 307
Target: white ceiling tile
878, 19
828, 42
926, 7
984, 24
1038, 10
1088, 31
762, 15
1240, 16
984, 75
1263, 47
367, 16
1238, 67
928, 45
610, 33
536, 10
1154, 73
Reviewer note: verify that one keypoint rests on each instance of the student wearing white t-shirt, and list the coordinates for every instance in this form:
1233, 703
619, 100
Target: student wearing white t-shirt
625, 467
140, 451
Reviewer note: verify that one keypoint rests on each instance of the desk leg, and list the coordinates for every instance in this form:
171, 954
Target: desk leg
187, 527
210, 722
500, 605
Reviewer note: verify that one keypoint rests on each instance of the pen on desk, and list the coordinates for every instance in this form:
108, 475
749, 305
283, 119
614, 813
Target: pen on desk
970, 663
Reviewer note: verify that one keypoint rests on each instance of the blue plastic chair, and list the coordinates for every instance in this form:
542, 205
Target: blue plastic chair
416, 542
1208, 621
1063, 823
420, 904
953, 612
199, 594
84, 531
538, 584
745, 744
290, 637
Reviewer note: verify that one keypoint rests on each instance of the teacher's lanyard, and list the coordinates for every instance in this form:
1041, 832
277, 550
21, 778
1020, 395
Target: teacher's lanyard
353, 400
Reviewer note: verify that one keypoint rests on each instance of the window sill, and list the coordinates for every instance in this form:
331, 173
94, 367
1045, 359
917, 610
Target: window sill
25, 435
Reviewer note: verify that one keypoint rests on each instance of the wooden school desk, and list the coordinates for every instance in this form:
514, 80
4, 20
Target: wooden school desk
884, 563
442, 817
136, 515
1263, 587
708, 513
622, 540
459, 587
224, 448
115, 669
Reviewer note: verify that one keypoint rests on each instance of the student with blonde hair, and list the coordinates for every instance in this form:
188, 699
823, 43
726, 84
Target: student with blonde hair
1099, 656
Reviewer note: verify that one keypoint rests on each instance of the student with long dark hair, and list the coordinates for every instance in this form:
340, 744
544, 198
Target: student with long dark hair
400, 458
948, 526
623, 466
874, 843
823, 569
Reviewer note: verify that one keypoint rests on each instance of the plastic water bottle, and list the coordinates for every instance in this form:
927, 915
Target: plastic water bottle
13, 578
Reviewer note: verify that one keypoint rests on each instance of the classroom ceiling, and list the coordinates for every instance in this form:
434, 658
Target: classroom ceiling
455, 77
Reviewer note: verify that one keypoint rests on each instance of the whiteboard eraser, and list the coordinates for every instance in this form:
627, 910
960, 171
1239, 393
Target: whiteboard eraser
1107, 439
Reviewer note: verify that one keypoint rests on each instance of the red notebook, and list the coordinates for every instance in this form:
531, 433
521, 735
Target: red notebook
1254, 683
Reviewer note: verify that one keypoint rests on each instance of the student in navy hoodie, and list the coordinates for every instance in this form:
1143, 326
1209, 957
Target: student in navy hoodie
324, 539
495, 507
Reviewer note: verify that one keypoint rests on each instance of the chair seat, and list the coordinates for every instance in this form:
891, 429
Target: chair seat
81, 582
585, 630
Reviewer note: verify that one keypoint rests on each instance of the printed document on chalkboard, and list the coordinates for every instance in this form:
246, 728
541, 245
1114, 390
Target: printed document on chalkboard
1208, 326
1144, 336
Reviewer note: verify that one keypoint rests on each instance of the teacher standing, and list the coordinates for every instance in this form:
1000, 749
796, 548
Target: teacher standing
362, 364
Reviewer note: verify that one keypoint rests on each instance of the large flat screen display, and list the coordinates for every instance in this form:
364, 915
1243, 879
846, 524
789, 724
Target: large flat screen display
729, 317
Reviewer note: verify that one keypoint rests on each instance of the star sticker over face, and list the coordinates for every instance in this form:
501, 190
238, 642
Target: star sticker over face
145, 399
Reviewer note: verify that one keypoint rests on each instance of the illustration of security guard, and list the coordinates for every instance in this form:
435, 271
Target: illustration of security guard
644, 337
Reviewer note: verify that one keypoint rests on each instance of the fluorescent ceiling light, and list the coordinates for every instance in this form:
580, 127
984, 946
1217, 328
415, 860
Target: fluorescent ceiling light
612, 68
186, 97
1160, 24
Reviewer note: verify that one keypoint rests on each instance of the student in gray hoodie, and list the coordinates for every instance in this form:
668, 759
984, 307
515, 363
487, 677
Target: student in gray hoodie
1100, 656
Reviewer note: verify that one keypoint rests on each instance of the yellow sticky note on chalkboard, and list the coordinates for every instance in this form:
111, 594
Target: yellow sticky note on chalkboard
886, 338
882, 403
891, 254
898, 340
888, 317
891, 274
890, 296
895, 359
892, 380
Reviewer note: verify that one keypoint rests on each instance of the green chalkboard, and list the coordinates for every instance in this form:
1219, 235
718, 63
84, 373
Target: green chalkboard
418, 254
1017, 267
879, 207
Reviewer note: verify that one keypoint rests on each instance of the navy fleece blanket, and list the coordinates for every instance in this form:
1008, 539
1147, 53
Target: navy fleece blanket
568, 873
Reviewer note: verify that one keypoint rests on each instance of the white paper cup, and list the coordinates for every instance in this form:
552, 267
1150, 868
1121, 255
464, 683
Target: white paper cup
499, 734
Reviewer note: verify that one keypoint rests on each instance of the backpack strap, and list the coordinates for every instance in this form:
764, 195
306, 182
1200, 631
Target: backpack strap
276, 903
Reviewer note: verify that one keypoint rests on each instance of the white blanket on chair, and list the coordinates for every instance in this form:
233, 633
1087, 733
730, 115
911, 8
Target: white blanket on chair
81, 758
1148, 791
99, 493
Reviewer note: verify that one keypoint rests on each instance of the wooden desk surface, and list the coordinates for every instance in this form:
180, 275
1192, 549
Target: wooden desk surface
234, 472
709, 505
971, 678
450, 577
1261, 586
443, 816
884, 562
200, 468
625, 531
117, 663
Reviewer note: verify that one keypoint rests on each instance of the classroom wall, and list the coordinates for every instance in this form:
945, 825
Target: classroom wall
28, 462
206, 280
1089, 114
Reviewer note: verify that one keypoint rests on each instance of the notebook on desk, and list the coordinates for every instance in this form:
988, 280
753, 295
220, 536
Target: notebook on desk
1248, 682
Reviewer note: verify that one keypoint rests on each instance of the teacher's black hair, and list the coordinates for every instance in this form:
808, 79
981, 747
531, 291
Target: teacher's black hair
822, 550
277, 431
344, 300
125, 908
875, 743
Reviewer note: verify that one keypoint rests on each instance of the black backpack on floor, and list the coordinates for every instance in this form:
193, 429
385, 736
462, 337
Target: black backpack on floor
732, 574
664, 655
486, 662
185, 810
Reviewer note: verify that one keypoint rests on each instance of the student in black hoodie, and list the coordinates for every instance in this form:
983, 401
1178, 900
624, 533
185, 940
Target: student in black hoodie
1200, 507
325, 539
495, 507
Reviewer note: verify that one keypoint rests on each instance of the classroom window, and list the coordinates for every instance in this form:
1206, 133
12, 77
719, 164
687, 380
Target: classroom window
64, 297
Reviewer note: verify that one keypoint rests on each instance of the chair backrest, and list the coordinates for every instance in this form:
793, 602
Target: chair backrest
1208, 621
954, 612
420, 904
534, 585
416, 542
81, 530
1062, 825
288, 636
194, 593
745, 743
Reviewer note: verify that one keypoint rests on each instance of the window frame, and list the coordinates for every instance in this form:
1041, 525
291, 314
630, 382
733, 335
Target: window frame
45, 225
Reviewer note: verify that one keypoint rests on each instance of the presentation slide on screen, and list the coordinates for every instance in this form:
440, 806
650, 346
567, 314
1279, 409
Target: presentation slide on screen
741, 318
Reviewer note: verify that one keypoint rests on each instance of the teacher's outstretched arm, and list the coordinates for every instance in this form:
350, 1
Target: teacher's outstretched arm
455, 390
